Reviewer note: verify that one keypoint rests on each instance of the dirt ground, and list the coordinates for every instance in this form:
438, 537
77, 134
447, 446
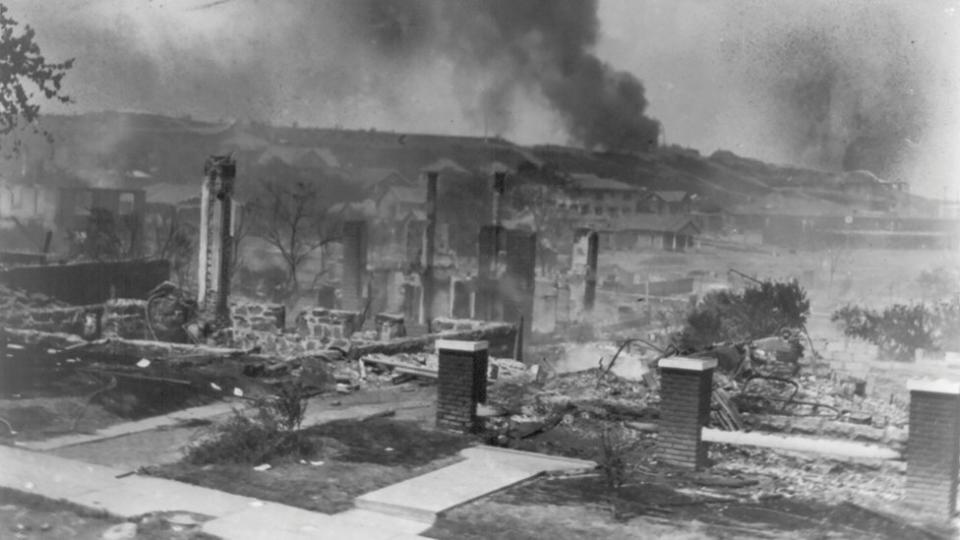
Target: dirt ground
26, 516
355, 457
81, 404
583, 507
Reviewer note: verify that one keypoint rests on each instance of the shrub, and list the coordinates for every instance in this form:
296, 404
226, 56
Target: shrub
758, 311
615, 447
899, 330
289, 406
273, 433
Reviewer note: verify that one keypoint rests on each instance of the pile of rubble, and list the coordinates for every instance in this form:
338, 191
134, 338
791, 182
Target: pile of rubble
812, 477
763, 385
17, 300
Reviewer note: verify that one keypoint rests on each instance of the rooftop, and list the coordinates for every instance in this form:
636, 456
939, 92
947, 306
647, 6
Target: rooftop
656, 222
594, 182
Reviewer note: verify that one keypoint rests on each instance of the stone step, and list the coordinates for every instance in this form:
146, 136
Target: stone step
486, 470
382, 521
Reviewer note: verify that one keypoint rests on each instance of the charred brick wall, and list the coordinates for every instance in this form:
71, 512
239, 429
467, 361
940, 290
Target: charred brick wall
389, 326
82, 321
354, 264
461, 383
521, 263
487, 298
685, 388
327, 324
933, 447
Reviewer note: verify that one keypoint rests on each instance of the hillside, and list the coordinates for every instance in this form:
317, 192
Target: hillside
139, 149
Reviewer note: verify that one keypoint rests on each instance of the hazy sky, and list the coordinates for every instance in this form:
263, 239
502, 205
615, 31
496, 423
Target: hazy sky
810, 82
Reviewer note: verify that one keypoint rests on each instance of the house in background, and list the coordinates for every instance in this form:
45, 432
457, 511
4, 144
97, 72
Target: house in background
666, 202
375, 181
21, 202
397, 202
651, 231
126, 207
588, 197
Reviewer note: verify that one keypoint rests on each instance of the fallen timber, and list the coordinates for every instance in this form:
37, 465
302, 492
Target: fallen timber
488, 332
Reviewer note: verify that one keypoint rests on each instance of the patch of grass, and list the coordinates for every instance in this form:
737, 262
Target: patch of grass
547, 506
389, 442
44, 504
357, 457
245, 440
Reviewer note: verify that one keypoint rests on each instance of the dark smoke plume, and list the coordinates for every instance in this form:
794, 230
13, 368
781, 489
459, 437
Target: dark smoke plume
542, 46
366, 62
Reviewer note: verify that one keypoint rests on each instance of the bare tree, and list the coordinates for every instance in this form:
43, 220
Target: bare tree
291, 216
173, 241
242, 224
541, 202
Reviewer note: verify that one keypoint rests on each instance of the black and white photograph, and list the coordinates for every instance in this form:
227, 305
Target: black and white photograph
479, 269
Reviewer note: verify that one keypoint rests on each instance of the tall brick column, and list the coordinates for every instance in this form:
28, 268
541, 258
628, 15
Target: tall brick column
585, 251
429, 239
517, 290
462, 383
216, 233
685, 388
933, 446
354, 264
488, 298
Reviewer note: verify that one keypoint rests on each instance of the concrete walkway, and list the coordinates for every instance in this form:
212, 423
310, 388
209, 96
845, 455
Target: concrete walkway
829, 447
160, 440
486, 470
397, 512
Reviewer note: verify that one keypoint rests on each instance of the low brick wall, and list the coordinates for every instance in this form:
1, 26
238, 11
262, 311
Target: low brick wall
389, 326
258, 325
258, 317
78, 320
327, 324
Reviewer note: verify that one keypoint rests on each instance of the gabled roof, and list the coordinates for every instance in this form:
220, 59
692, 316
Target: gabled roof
407, 194
368, 177
414, 215
594, 182
166, 193
657, 223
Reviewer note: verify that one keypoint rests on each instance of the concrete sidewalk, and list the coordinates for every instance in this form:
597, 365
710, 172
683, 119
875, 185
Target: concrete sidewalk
398, 512
160, 440
234, 517
486, 470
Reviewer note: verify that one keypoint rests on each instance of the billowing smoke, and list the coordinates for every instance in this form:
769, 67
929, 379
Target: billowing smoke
359, 61
859, 84
848, 95
510, 47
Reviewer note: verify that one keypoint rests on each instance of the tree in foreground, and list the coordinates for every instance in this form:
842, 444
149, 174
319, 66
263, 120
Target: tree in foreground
23, 72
